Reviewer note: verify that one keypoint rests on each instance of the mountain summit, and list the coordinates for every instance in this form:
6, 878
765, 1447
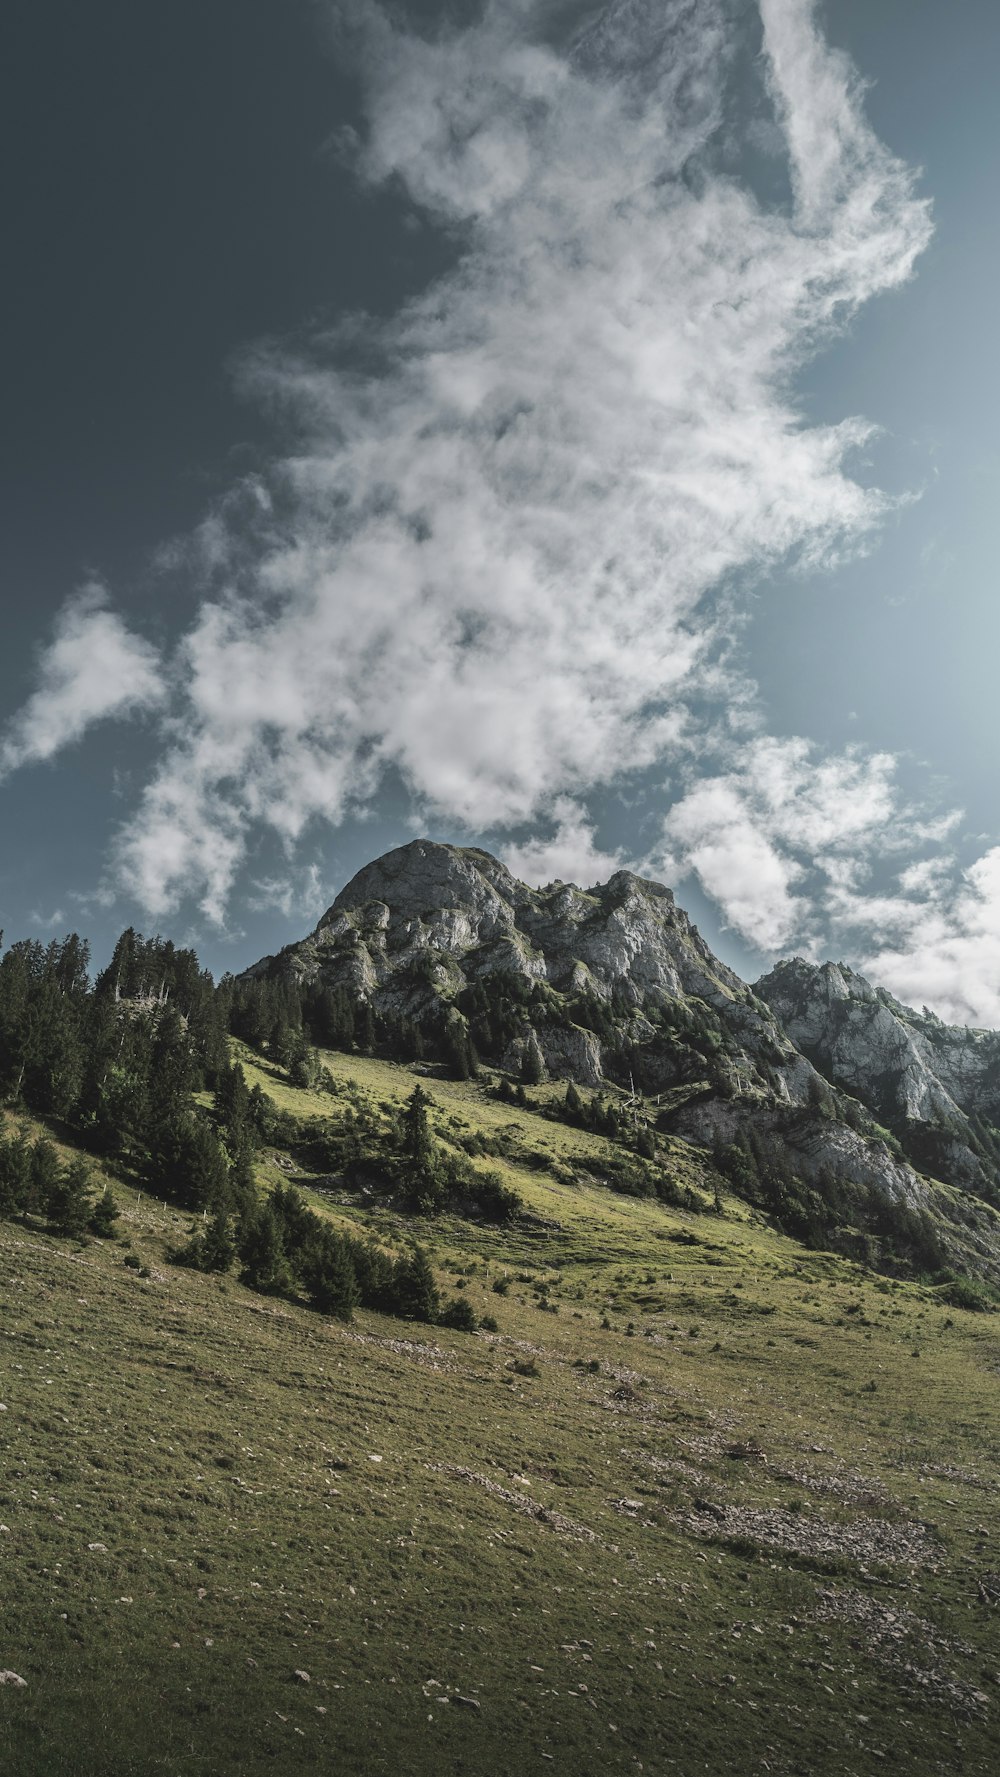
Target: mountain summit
428, 931
813, 1080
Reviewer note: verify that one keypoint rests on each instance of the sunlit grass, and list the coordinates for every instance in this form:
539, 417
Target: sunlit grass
205, 1491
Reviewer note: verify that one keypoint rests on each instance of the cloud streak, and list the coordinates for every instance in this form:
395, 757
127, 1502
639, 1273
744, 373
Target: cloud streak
502, 561
773, 835
93, 669
489, 564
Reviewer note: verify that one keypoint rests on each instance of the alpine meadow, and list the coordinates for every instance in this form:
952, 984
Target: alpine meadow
500, 968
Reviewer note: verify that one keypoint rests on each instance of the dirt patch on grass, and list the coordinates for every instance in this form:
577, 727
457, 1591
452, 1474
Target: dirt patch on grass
909, 1646
867, 1542
431, 1357
519, 1502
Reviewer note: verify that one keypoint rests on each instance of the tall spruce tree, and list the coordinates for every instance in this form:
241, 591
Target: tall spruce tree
415, 1292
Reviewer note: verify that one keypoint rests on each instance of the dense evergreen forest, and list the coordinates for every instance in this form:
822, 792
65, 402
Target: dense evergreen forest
114, 1064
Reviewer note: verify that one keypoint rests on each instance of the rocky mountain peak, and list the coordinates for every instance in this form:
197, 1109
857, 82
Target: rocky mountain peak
463, 911
438, 953
937, 1086
426, 877
795, 982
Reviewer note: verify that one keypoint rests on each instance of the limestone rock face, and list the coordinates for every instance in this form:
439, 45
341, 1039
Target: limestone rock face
569, 1054
927, 1080
427, 920
614, 983
413, 932
430, 893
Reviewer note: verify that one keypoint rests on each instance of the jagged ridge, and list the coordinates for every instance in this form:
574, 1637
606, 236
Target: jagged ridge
615, 983
937, 1086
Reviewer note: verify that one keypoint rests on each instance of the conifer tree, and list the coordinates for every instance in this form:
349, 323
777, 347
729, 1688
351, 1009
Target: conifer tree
187, 1163
15, 1174
532, 1062
421, 1166
262, 1249
104, 1216
414, 1290
218, 1248
364, 1025
69, 1207
417, 1141
44, 1176
330, 1278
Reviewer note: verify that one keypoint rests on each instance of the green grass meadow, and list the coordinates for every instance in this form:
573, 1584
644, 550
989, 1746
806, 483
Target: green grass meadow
703, 1499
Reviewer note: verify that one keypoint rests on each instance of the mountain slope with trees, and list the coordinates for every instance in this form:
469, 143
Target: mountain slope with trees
437, 953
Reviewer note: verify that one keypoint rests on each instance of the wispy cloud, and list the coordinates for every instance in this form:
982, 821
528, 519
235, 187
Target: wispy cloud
933, 938
302, 894
569, 853
47, 922
504, 556
490, 563
769, 834
92, 669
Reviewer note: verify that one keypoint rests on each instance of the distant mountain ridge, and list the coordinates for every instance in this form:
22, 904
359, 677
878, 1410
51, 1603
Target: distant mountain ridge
936, 1085
817, 1072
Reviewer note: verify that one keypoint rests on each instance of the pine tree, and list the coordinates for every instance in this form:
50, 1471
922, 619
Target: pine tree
295, 1220
376, 1275
171, 1069
69, 1207
421, 1169
460, 1314
187, 1163
44, 1176
218, 1248
532, 1062
265, 1264
415, 1295
417, 1141
297, 1057
330, 1278
15, 1174
103, 1217
456, 1042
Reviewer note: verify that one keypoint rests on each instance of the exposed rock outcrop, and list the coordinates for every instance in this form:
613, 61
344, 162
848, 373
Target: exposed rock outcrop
413, 931
615, 983
936, 1086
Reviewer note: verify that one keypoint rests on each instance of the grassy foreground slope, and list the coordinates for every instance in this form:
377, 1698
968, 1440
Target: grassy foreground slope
758, 1526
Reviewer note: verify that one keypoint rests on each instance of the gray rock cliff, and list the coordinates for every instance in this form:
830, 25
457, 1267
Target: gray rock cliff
614, 984
936, 1086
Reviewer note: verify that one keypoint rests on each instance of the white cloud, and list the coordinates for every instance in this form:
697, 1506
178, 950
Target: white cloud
300, 893
48, 922
502, 559
570, 854
93, 668
716, 836
926, 877
488, 565
934, 940
760, 834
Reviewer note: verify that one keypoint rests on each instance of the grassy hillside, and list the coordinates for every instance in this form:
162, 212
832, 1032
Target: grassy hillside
702, 1496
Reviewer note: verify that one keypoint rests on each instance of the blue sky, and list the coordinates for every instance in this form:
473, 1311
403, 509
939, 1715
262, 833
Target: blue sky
557, 428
